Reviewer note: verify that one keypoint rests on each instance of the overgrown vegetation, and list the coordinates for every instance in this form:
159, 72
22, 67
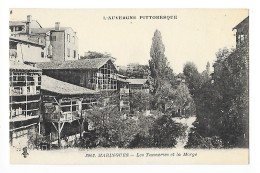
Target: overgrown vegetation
221, 101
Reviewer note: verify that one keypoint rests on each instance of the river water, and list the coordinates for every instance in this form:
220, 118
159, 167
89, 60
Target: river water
187, 122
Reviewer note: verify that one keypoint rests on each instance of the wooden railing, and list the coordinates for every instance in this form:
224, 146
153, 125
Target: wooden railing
124, 91
63, 117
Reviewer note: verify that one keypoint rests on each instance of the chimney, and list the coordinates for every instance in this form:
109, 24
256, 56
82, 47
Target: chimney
28, 24
29, 18
57, 26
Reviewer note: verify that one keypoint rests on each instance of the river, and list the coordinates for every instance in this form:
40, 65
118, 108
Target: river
188, 123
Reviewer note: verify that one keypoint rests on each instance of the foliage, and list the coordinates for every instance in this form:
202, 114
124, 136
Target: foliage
205, 75
160, 132
164, 95
197, 141
140, 71
159, 65
104, 119
34, 140
232, 82
183, 101
140, 100
222, 102
193, 78
165, 131
93, 55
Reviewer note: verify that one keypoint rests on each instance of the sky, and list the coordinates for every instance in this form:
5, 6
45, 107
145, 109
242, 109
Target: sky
195, 36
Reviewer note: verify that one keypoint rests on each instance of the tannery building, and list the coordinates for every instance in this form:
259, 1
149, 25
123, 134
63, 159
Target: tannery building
24, 92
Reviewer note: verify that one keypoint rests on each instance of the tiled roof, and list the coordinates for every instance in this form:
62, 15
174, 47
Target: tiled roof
77, 64
63, 88
137, 81
21, 66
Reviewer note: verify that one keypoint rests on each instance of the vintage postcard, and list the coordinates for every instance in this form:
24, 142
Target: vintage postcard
129, 86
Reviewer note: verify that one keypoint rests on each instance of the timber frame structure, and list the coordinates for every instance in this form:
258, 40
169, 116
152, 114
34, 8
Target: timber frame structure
62, 105
97, 74
24, 93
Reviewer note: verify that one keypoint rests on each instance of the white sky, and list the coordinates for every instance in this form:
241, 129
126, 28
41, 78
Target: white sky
195, 36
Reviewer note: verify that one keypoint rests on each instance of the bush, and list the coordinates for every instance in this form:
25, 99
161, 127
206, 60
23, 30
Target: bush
197, 141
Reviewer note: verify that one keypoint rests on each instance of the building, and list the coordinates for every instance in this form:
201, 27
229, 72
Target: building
97, 74
60, 43
24, 93
63, 42
138, 84
242, 33
16, 27
123, 87
24, 50
132, 66
64, 108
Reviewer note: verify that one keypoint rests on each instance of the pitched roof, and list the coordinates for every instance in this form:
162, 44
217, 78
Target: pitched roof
122, 78
35, 23
63, 88
137, 81
45, 30
76, 64
25, 40
244, 22
15, 23
20, 66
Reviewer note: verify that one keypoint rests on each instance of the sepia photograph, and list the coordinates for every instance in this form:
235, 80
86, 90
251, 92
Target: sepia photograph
128, 86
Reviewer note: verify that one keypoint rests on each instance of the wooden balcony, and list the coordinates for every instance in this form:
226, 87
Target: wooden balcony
22, 118
124, 91
62, 117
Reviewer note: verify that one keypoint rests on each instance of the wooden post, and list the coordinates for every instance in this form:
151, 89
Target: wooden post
80, 130
50, 141
59, 140
39, 126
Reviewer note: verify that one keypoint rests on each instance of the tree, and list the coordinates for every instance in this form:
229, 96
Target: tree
163, 96
93, 55
165, 131
183, 101
222, 104
205, 75
193, 78
162, 79
144, 125
140, 100
232, 82
113, 128
140, 71
159, 65
157, 131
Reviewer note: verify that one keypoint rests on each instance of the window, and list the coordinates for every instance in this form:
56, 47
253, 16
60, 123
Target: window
68, 52
73, 39
53, 38
74, 54
75, 108
68, 37
42, 54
